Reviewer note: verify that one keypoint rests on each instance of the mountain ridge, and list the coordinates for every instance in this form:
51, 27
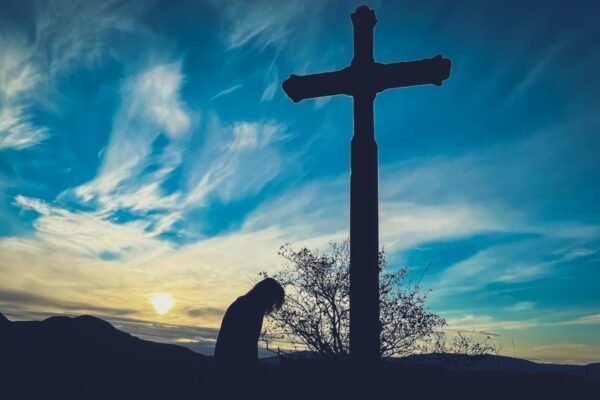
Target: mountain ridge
86, 357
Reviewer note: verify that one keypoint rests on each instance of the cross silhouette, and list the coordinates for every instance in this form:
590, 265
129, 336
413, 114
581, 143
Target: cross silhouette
362, 80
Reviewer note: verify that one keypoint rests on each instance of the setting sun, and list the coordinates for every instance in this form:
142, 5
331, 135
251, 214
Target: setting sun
162, 302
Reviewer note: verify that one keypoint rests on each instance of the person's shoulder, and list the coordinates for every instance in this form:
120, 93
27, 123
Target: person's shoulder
239, 303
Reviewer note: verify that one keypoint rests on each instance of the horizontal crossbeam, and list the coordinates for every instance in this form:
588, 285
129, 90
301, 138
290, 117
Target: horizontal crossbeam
368, 79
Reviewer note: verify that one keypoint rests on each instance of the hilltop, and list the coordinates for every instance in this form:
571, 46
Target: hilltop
87, 358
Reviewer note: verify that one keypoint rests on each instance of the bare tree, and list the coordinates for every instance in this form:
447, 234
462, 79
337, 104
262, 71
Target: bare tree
316, 313
462, 349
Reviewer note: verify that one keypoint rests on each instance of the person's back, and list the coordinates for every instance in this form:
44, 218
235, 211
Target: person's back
236, 350
237, 342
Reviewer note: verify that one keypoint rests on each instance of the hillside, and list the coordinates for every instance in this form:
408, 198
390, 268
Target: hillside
87, 358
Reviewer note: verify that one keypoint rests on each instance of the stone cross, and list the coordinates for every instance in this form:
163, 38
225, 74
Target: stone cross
362, 80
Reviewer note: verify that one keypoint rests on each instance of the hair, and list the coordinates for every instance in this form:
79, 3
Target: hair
268, 292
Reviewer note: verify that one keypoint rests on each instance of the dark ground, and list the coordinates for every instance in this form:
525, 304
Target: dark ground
87, 358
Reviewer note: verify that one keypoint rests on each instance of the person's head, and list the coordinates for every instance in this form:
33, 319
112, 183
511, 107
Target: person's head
268, 293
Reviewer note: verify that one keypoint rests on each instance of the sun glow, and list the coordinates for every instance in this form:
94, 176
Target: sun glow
162, 302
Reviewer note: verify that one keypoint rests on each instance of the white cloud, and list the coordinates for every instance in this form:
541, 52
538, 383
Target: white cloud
17, 131
88, 233
431, 200
18, 74
252, 136
155, 96
486, 323
593, 319
213, 271
508, 263
236, 161
60, 262
131, 175
521, 306
227, 91
561, 352
520, 261
265, 22
405, 224
71, 33
321, 208
272, 87
572, 254
548, 56
509, 174
313, 208
151, 105
67, 35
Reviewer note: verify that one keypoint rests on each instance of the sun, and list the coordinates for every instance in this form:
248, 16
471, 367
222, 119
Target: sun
162, 302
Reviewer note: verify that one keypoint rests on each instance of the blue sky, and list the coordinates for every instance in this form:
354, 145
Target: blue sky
147, 147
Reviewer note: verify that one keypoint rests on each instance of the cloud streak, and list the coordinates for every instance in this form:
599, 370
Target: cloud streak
265, 22
24, 300
17, 130
236, 161
67, 36
88, 233
151, 105
227, 91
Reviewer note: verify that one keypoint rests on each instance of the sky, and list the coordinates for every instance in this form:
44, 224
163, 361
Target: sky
147, 152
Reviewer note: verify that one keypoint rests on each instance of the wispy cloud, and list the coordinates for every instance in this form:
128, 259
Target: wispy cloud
129, 181
562, 352
593, 319
80, 31
18, 77
522, 306
486, 323
18, 72
407, 224
23, 300
236, 161
57, 263
17, 130
88, 233
151, 106
272, 86
547, 58
265, 22
521, 261
227, 91
67, 36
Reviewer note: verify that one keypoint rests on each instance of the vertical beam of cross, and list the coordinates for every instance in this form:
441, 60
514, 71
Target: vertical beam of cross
362, 80
364, 213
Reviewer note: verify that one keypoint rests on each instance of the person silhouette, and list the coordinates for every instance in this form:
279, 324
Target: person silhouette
236, 350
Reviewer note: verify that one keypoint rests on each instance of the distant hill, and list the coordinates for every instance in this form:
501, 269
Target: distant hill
459, 362
86, 358
500, 363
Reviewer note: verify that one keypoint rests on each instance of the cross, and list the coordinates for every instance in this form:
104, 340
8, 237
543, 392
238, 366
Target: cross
362, 80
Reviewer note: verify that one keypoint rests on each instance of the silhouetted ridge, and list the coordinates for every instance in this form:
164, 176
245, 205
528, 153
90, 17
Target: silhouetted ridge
83, 323
87, 357
490, 362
